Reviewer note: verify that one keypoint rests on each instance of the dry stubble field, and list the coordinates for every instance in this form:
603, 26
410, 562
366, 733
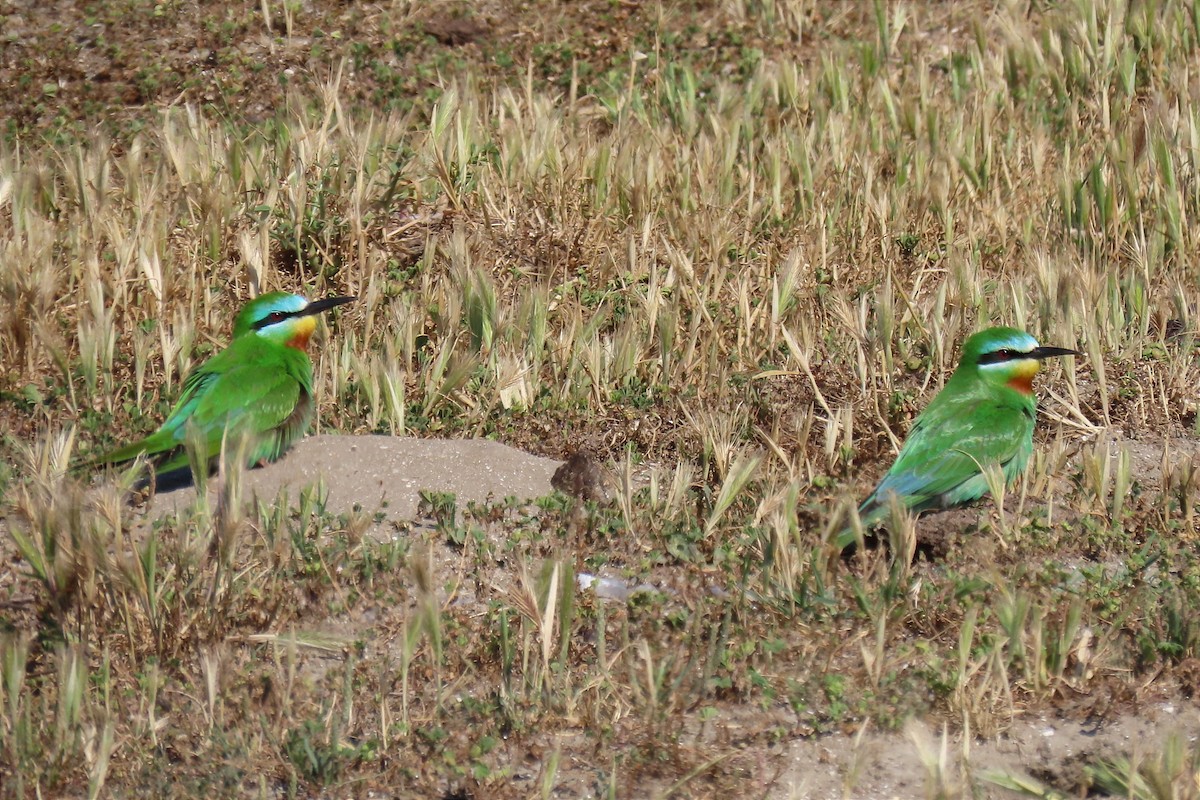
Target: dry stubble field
727, 250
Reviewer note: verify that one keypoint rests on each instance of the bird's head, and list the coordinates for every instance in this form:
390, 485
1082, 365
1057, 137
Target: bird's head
286, 319
1006, 357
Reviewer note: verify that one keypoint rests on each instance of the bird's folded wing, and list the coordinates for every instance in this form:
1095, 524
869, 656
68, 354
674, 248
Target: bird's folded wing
251, 398
195, 386
944, 469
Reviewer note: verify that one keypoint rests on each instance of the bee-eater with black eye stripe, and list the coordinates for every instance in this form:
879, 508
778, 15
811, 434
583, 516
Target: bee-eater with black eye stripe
983, 416
260, 386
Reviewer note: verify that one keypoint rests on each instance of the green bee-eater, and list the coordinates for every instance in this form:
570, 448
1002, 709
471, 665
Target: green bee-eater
260, 386
983, 416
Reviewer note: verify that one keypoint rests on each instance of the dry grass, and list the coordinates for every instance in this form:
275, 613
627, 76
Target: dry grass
747, 284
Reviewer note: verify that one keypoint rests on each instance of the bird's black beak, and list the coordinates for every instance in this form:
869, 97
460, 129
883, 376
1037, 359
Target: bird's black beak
1041, 353
324, 304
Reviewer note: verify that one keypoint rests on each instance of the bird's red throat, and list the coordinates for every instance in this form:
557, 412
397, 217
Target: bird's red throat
1022, 376
1022, 383
300, 341
301, 333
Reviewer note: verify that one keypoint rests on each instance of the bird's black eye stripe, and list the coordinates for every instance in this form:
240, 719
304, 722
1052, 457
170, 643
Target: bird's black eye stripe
270, 319
997, 356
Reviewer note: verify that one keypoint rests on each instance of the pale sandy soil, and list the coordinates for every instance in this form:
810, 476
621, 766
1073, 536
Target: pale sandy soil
387, 474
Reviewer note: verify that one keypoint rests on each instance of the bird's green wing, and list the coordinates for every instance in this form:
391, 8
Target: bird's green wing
254, 398
942, 460
248, 399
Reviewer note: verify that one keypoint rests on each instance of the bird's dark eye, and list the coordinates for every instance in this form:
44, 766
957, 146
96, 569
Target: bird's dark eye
270, 319
999, 356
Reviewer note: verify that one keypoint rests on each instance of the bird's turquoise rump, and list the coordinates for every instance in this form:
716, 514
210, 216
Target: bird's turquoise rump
259, 387
983, 416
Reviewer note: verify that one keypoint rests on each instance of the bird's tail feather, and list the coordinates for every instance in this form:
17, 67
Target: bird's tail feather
162, 449
154, 444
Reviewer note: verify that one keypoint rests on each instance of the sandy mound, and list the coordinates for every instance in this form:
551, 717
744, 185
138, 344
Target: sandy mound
389, 473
